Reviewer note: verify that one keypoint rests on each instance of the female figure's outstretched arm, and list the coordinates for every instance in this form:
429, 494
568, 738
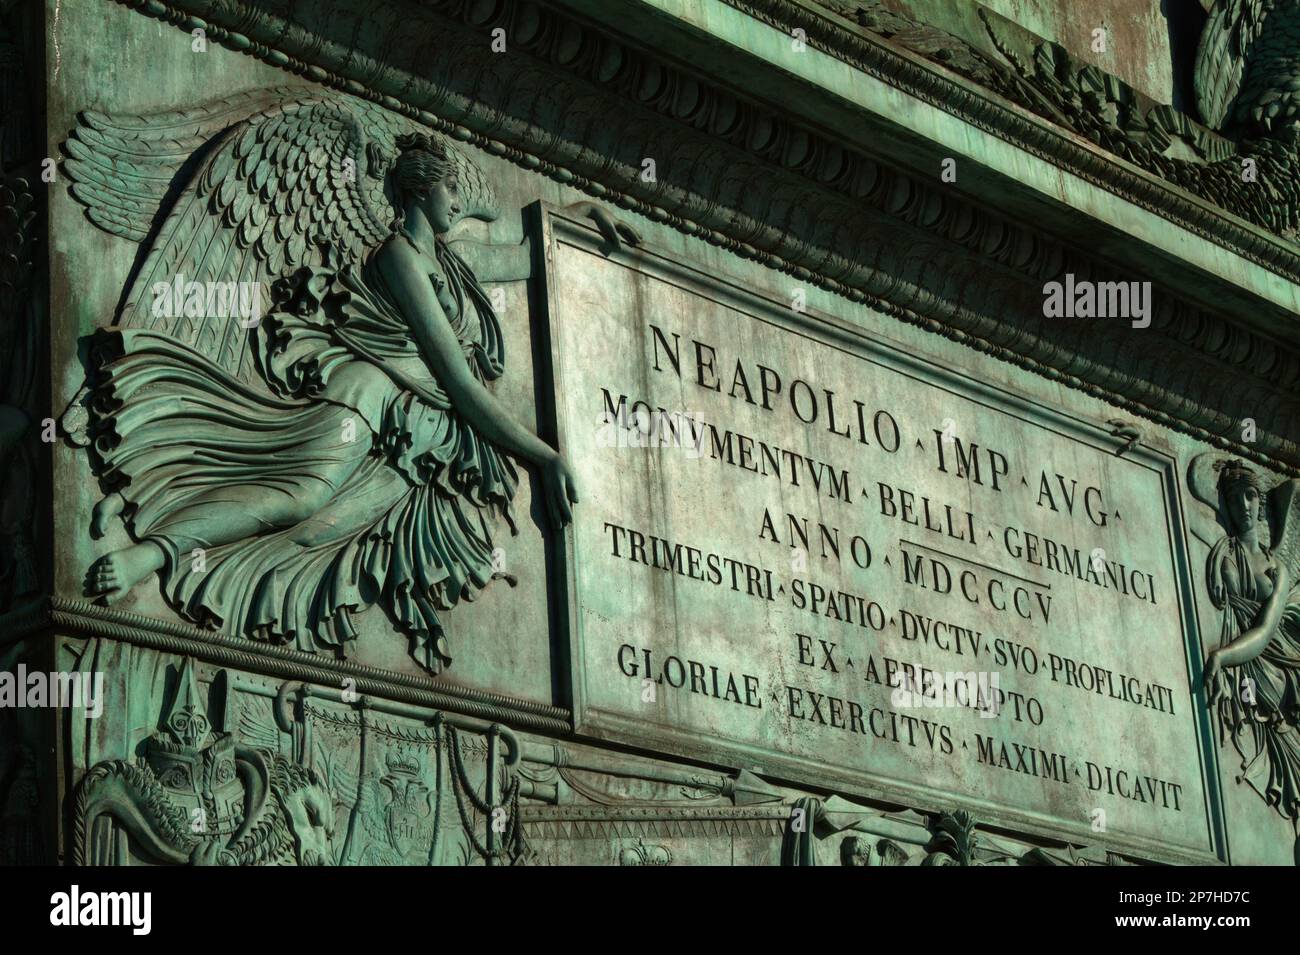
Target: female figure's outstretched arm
404, 270
494, 262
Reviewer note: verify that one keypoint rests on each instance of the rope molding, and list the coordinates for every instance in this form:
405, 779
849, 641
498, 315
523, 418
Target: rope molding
86, 619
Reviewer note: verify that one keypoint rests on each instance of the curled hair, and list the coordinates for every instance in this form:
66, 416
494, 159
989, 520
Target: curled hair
1235, 474
422, 163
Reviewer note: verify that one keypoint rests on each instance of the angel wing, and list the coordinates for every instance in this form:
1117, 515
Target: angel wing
1223, 55
1203, 482
252, 187
1284, 524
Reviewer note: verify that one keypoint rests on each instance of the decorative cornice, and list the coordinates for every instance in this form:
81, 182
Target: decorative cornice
985, 110
835, 219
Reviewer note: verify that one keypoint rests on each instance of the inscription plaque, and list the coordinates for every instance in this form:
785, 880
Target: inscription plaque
801, 550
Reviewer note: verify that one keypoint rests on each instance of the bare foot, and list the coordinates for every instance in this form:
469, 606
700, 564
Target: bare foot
113, 575
105, 511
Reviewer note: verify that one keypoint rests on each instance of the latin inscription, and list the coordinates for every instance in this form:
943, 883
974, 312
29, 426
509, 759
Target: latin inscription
789, 546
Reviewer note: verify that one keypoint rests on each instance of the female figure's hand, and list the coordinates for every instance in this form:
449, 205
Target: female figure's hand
560, 491
1213, 671
614, 231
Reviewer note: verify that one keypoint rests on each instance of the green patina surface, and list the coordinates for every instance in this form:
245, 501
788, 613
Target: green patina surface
679, 435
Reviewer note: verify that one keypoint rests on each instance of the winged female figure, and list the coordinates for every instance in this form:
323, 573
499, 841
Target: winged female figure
282, 475
1253, 676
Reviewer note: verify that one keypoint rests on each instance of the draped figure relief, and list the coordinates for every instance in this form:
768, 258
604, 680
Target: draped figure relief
292, 412
1252, 677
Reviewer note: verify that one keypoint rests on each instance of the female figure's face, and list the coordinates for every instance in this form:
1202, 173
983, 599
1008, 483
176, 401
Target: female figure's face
443, 205
1242, 502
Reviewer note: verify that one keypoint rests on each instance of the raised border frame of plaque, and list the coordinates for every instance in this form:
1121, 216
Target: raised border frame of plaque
555, 229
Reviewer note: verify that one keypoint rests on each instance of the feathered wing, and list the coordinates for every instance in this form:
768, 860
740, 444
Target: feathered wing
276, 175
249, 192
122, 165
1207, 523
1223, 56
1284, 525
